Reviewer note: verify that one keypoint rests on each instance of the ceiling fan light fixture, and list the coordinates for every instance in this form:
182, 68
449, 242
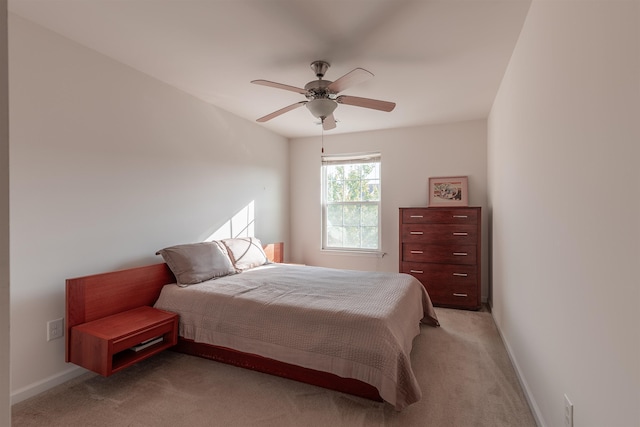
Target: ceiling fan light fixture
322, 108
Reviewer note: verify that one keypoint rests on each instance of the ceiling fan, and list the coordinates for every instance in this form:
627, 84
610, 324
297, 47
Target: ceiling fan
322, 95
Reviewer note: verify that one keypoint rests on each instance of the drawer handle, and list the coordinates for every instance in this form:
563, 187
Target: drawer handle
460, 234
416, 216
461, 216
416, 271
417, 252
417, 232
460, 253
460, 274
459, 295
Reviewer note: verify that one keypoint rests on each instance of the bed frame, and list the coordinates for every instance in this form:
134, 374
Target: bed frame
94, 297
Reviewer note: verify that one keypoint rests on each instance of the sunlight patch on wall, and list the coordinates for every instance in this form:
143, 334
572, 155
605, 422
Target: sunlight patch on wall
242, 224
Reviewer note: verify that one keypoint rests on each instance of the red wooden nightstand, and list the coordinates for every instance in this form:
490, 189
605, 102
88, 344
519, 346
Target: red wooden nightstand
112, 343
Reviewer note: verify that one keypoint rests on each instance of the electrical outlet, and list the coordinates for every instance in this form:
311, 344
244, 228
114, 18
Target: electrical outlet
55, 329
568, 412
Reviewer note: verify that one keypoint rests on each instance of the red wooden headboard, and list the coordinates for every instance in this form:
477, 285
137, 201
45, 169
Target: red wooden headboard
94, 297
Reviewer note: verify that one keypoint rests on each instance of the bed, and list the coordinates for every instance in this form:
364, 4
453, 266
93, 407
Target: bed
346, 330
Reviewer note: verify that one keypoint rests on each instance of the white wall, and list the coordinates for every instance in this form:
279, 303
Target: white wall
563, 152
107, 166
409, 157
5, 408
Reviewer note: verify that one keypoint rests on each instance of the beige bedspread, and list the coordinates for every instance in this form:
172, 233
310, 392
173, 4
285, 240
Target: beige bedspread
351, 323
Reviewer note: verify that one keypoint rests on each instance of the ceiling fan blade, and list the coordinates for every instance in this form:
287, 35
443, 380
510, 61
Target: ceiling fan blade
353, 77
279, 86
329, 122
366, 103
281, 111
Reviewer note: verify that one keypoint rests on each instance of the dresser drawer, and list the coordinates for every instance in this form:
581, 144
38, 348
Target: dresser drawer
459, 234
439, 216
442, 274
443, 254
454, 296
447, 285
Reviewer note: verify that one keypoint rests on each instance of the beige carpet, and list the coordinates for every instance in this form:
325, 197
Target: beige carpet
462, 367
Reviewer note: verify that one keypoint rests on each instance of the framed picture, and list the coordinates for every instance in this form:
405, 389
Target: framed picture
448, 191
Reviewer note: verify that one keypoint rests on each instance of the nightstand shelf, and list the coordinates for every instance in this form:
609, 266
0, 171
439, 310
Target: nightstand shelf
108, 345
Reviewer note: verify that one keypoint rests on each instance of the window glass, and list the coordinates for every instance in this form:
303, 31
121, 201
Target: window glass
351, 202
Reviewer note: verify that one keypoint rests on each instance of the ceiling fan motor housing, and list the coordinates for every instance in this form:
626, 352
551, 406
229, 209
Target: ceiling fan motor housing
318, 89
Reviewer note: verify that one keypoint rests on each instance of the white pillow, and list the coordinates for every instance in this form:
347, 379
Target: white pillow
245, 252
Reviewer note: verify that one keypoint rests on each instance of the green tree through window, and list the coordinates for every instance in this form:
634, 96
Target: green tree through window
351, 202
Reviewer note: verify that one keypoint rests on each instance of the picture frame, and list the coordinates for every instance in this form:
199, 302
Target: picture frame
448, 191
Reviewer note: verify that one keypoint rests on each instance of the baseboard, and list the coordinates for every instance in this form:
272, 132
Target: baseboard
41, 386
537, 415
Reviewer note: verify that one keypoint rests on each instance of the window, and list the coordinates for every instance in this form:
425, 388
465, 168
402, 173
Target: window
351, 202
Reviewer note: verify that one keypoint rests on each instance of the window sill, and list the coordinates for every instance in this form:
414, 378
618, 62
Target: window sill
355, 252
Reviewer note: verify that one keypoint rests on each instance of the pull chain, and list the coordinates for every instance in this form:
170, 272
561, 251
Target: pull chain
322, 136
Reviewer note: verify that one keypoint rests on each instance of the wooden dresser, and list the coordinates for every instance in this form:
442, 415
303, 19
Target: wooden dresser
441, 248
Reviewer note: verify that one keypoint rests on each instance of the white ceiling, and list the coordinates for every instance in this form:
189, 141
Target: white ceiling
440, 61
